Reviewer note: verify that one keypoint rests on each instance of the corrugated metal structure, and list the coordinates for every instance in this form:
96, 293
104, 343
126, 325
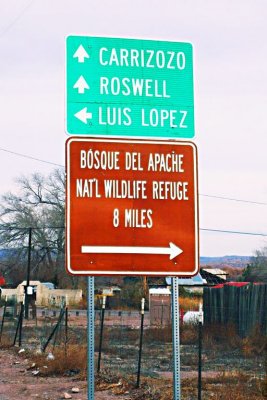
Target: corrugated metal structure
242, 304
213, 276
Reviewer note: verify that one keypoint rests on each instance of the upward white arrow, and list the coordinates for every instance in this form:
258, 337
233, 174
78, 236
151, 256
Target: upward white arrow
172, 251
81, 85
81, 54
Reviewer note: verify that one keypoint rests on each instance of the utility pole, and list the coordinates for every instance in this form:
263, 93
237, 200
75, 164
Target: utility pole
28, 275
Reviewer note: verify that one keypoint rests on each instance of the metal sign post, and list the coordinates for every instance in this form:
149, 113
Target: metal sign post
176, 339
200, 323
118, 89
90, 338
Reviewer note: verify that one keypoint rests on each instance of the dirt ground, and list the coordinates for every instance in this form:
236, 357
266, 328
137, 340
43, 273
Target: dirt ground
17, 381
230, 370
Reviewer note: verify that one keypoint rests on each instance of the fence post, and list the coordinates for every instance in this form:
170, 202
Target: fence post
3, 320
19, 325
141, 342
66, 329
101, 333
61, 314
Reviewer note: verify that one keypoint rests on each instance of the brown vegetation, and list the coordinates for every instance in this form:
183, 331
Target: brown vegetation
234, 385
234, 274
189, 303
72, 361
6, 341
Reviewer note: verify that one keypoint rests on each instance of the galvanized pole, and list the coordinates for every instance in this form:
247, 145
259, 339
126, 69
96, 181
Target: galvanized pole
200, 323
90, 338
176, 339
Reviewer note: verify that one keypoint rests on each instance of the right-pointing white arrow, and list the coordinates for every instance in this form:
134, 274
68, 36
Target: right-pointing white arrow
83, 115
173, 250
81, 54
81, 85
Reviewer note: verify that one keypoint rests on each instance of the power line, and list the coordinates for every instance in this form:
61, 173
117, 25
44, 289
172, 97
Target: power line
232, 199
201, 229
9, 26
31, 158
201, 194
17, 228
234, 232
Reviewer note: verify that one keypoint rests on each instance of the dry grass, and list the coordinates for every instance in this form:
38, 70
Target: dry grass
189, 303
189, 334
221, 336
116, 334
72, 362
162, 334
233, 385
226, 337
6, 341
227, 386
150, 388
255, 344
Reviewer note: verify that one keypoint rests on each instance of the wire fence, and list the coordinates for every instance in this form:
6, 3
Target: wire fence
223, 349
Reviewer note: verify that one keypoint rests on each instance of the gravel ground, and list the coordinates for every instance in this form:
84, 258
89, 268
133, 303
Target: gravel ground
18, 382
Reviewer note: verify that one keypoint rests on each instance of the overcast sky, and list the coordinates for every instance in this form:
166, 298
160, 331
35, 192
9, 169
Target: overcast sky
230, 74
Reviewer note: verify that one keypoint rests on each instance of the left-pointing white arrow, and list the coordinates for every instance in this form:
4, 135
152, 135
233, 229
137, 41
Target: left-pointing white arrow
83, 115
173, 250
81, 85
81, 54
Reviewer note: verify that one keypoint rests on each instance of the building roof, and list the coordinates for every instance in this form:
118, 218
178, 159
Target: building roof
216, 271
210, 276
159, 291
49, 285
196, 280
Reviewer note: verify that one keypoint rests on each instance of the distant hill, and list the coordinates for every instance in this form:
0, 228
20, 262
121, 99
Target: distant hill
231, 261
225, 261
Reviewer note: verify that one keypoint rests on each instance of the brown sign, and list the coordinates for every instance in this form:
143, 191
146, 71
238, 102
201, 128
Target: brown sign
131, 207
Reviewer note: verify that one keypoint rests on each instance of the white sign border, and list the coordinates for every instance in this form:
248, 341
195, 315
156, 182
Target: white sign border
103, 135
130, 273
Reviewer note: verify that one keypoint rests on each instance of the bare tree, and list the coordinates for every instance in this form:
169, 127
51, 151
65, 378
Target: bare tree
40, 205
256, 270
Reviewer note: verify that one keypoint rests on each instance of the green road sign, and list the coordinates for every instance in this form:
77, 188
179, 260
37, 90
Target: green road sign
129, 87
